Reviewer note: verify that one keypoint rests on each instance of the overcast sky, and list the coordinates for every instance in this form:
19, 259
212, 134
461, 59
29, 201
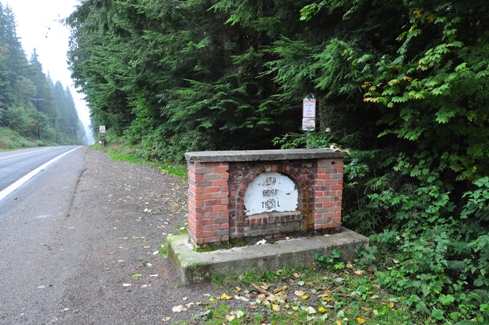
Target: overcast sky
39, 27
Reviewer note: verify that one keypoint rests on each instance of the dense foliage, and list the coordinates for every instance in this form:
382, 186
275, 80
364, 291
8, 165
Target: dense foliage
174, 76
30, 104
401, 84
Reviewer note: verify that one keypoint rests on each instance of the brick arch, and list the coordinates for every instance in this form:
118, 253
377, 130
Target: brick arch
215, 179
302, 177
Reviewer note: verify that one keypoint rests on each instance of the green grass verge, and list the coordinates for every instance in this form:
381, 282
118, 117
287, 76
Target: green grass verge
10, 139
123, 152
307, 296
334, 292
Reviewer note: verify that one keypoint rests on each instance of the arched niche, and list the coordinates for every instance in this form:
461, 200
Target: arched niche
271, 192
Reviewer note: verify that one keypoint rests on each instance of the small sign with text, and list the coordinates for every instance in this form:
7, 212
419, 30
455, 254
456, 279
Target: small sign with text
308, 114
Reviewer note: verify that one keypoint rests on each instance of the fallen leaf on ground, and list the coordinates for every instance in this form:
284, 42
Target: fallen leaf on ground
126, 284
262, 299
260, 289
279, 289
241, 298
282, 298
225, 297
311, 310
264, 286
178, 309
166, 319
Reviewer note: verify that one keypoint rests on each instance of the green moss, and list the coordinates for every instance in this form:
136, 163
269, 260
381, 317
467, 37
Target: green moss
221, 245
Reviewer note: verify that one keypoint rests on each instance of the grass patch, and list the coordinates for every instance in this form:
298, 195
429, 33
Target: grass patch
176, 170
163, 250
10, 139
322, 295
132, 154
123, 157
181, 229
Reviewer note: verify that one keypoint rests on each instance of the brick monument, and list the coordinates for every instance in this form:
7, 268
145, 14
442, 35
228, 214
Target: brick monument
263, 194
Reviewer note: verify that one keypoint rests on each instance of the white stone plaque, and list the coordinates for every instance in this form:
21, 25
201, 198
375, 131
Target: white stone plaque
271, 192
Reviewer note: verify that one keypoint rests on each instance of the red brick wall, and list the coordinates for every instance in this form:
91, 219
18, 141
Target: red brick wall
217, 191
328, 194
208, 198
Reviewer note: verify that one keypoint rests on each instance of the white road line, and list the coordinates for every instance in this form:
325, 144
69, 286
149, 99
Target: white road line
25, 153
24, 179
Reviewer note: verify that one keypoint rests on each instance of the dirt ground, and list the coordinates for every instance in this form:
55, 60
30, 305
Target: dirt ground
127, 211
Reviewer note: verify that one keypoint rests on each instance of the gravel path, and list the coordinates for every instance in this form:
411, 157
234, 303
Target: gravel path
108, 246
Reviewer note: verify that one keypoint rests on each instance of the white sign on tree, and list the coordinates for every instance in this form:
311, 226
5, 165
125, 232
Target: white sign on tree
309, 113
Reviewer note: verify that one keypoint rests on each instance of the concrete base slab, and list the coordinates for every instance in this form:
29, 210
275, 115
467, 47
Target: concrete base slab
196, 267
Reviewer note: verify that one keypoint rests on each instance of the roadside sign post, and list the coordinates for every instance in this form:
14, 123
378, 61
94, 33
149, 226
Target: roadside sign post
308, 115
102, 138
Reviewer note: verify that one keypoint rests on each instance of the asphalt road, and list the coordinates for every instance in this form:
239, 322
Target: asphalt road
15, 164
29, 219
79, 245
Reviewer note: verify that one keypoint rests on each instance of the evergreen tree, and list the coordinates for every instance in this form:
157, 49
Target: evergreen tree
13, 63
68, 124
77, 129
44, 102
198, 85
30, 103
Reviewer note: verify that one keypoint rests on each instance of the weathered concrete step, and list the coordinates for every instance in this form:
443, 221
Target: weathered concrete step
196, 267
